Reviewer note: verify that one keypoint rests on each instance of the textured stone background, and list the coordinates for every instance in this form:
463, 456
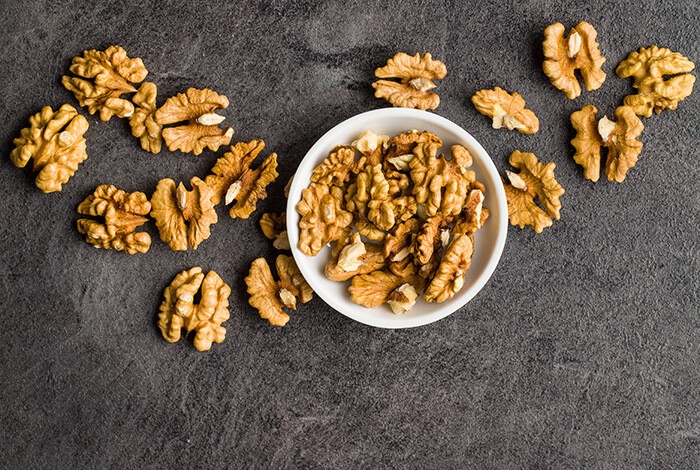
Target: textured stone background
582, 351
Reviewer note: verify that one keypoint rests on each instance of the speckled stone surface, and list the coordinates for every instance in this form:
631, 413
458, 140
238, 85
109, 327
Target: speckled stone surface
583, 351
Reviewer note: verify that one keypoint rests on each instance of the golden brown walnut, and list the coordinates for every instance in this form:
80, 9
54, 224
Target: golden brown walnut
143, 121
535, 180
506, 110
579, 51
399, 149
198, 109
369, 230
416, 76
647, 67
397, 244
274, 227
369, 186
122, 212
102, 77
374, 289
178, 310
269, 296
350, 256
183, 217
336, 169
322, 217
449, 278
233, 181
619, 137
55, 142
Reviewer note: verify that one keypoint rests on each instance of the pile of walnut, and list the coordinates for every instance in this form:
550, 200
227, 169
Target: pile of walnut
401, 218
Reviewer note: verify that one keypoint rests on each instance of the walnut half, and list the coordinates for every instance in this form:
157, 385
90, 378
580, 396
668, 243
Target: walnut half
416, 76
506, 109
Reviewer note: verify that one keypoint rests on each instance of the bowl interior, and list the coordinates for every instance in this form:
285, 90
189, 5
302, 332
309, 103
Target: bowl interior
489, 240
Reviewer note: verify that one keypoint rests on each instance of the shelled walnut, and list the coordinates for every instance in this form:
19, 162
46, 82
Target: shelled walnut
143, 122
506, 109
55, 142
178, 310
416, 76
122, 212
274, 227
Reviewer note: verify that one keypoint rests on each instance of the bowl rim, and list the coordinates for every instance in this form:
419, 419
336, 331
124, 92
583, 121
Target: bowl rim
310, 160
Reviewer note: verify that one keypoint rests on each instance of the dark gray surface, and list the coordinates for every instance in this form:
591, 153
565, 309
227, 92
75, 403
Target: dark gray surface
582, 351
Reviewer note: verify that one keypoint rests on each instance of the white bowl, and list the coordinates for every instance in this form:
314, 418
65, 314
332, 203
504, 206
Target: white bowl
489, 240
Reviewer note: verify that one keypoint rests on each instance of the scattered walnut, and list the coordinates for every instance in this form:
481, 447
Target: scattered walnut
449, 278
402, 299
275, 228
233, 180
563, 56
416, 74
198, 108
103, 76
183, 217
143, 122
55, 142
368, 142
322, 217
619, 137
506, 109
534, 180
179, 311
269, 296
648, 67
122, 212
336, 168
374, 289
350, 257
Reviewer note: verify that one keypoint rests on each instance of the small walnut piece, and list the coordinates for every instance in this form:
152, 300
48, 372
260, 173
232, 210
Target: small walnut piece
143, 121
322, 217
274, 227
55, 142
269, 296
534, 180
198, 108
368, 142
449, 278
648, 67
122, 212
374, 289
233, 181
178, 310
183, 217
506, 109
587, 141
350, 256
416, 74
103, 76
402, 299
563, 56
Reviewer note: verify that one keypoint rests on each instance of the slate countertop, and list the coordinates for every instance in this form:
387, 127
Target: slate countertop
582, 350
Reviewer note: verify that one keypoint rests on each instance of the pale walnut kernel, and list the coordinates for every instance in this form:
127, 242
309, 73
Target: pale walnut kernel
122, 212
322, 217
506, 109
269, 296
373, 289
102, 77
55, 142
274, 227
535, 180
198, 109
233, 181
563, 56
368, 142
402, 299
143, 121
178, 310
648, 67
183, 217
416, 74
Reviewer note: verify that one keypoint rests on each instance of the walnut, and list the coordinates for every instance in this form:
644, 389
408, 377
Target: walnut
233, 180
620, 138
376, 288
103, 76
269, 296
55, 142
369, 230
506, 109
143, 121
398, 243
179, 311
449, 278
648, 67
122, 212
336, 169
368, 142
474, 214
579, 51
534, 180
322, 217
428, 245
402, 299
274, 227
198, 108
350, 256
399, 149
416, 74
183, 217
